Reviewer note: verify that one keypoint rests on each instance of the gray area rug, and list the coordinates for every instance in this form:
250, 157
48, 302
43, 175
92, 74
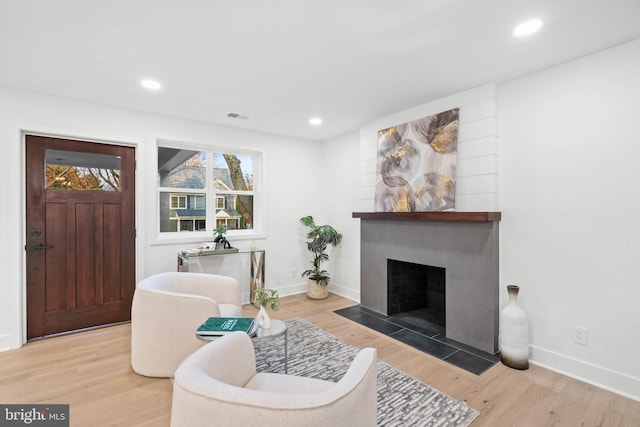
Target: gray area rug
402, 400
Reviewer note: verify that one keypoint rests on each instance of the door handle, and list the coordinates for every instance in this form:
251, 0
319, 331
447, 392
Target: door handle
41, 247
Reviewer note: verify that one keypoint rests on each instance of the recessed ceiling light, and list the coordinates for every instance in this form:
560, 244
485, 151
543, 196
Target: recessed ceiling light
150, 84
315, 121
526, 28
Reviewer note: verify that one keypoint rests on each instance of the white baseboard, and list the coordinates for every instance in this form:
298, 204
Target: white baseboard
294, 289
301, 288
613, 381
345, 292
7, 343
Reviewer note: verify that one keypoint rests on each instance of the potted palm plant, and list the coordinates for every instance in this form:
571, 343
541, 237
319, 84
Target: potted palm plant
320, 237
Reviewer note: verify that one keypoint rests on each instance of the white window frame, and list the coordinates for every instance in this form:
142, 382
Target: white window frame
258, 230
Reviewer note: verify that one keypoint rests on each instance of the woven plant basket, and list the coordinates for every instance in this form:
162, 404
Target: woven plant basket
316, 291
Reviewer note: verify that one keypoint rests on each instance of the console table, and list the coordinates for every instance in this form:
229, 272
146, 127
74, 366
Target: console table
257, 263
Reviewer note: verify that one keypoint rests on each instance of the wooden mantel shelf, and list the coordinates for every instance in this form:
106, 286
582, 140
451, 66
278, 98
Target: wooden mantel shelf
431, 216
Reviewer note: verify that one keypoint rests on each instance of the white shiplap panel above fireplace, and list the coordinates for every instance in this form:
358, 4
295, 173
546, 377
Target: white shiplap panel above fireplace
477, 173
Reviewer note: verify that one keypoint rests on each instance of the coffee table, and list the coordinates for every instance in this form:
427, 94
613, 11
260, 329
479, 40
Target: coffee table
277, 329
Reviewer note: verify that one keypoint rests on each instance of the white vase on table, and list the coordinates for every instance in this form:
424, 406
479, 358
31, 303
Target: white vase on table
263, 319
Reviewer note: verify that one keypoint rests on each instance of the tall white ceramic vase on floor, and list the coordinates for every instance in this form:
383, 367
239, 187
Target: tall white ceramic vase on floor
514, 332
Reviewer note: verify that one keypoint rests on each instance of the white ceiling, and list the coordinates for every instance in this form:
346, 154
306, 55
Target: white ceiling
282, 61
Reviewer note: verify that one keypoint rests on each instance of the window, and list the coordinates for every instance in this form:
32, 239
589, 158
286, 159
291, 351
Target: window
178, 202
199, 191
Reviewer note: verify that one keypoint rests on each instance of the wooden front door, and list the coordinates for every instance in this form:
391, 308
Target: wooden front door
80, 242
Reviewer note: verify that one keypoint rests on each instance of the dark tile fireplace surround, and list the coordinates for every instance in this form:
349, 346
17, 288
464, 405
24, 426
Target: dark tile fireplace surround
458, 254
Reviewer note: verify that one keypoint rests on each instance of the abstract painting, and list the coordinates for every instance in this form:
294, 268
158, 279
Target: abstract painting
416, 169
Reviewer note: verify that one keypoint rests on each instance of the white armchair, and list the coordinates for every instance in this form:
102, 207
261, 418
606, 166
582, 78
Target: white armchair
218, 386
167, 309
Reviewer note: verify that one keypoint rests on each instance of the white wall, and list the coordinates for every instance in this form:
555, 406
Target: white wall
340, 184
291, 170
570, 233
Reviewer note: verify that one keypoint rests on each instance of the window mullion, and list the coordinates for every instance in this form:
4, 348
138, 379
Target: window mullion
181, 190
211, 194
237, 192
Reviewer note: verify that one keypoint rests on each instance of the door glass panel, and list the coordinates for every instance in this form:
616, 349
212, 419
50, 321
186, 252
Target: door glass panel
76, 170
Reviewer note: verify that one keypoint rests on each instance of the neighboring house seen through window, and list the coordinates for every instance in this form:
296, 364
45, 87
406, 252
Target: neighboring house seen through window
202, 190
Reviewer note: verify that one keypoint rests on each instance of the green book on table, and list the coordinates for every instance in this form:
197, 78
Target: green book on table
224, 325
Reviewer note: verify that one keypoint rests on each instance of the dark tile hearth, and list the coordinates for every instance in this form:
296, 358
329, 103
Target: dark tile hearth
424, 339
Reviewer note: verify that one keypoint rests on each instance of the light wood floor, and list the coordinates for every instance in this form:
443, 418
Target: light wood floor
91, 372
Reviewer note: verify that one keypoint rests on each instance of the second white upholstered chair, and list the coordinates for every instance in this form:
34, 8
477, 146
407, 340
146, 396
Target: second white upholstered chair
218, 386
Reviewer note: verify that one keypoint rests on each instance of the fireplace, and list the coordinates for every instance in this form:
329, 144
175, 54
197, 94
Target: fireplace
416, 294
464, 245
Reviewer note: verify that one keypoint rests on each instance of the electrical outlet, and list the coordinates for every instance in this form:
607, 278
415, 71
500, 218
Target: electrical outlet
293, 273
581, 335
